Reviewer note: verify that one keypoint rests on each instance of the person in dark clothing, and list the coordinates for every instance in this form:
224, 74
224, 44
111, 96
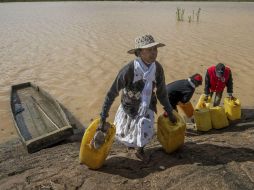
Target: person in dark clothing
183, 90
138, 80
217, 78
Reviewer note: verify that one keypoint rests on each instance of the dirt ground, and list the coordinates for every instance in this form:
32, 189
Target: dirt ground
218, 159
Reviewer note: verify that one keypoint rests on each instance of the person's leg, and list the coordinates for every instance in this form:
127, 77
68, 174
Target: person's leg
145, 135
211, 95
217, 99
140, 154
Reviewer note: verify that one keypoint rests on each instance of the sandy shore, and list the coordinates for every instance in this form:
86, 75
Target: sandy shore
219, 159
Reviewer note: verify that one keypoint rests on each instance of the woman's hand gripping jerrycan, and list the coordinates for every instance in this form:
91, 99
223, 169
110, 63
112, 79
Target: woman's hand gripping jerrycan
171, 136
94, 158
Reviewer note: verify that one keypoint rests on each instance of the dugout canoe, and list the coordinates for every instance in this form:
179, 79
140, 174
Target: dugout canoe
38, 117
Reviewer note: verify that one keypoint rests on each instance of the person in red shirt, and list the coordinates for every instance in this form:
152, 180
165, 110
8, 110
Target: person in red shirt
217, 78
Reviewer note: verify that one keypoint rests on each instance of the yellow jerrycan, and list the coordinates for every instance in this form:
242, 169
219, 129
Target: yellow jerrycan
202, 119
218, 117
232, 108
171, 136
202, 103
94, 158
186, 108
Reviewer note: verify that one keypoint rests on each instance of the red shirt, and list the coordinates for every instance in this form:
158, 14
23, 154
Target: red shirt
218, 84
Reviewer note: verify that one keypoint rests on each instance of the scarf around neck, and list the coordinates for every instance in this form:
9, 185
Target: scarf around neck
147, 74
191, 83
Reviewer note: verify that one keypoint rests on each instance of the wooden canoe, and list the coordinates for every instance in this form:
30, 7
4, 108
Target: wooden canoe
38, 117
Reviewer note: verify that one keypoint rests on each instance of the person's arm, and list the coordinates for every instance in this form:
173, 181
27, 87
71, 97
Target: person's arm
161, 90
207, 84
230, 84
119, 83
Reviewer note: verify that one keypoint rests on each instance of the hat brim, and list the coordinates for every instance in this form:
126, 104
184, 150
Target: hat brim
132, 51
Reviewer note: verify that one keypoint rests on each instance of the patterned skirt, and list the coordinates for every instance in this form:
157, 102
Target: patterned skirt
135, 132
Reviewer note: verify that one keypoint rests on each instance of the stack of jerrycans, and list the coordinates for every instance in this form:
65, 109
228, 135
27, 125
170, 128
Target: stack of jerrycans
219, 115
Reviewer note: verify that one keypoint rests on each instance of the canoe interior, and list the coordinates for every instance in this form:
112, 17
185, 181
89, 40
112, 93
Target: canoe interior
37, 115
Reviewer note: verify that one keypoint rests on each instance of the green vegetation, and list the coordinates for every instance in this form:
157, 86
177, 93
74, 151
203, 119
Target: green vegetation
198, 13
180, 15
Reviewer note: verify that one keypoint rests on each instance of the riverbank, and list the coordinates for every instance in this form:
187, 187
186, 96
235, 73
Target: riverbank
219, 159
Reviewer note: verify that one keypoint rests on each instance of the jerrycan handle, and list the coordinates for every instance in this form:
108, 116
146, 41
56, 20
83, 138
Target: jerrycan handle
233, 100
165, 115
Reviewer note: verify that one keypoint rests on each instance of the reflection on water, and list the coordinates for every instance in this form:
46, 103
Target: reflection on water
75, 49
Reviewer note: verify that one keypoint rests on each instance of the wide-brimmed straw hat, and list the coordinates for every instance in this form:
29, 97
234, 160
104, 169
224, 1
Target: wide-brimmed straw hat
143, 42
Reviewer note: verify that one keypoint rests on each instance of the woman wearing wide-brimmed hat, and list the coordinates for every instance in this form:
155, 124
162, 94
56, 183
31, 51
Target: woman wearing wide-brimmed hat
134, 119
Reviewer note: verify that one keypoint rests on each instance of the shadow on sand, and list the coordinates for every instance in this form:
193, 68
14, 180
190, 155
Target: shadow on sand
203, 154
191, 153
77, 126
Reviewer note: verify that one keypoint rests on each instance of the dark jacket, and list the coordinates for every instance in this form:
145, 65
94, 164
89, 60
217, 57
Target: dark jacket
131, 95
180, 90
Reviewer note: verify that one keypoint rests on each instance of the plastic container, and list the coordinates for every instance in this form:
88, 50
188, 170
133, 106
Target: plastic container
186, 108
232, 108
202, 103
202, 119
218, 117
171, 136
94, 158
